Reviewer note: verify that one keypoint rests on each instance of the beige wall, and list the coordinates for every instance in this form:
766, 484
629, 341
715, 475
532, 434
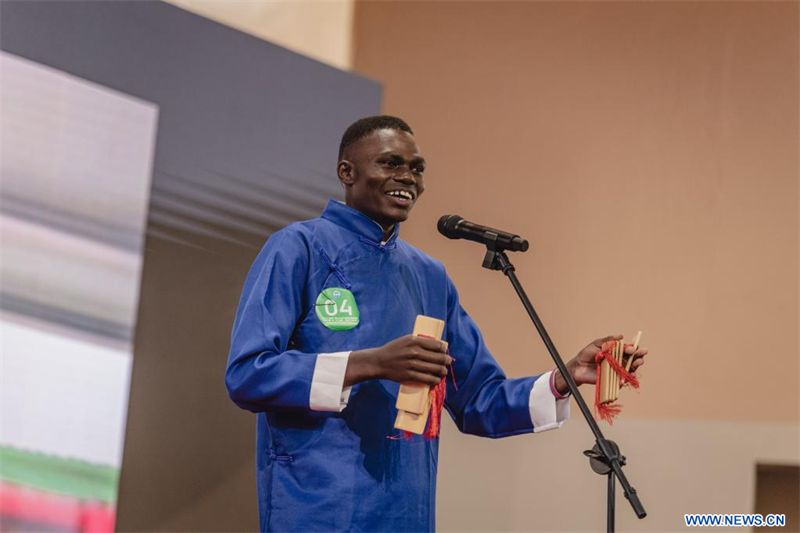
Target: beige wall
320, 29
649, 152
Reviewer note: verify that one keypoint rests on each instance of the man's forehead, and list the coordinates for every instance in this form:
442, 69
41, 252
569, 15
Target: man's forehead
387, 140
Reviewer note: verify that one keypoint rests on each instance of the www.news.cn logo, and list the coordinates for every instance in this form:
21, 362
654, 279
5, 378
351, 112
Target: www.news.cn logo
728, 520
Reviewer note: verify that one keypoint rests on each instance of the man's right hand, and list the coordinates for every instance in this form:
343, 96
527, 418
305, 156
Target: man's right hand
408, 358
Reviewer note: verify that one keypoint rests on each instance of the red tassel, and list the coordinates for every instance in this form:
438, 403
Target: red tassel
609, 411
437, 402
438, 394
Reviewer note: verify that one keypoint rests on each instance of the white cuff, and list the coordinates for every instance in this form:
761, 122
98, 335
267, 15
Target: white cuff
547, 412
327, 392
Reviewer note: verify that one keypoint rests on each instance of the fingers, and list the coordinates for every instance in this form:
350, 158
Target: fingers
599, 342
638, 361
637, 355
432, 345
412, 358
437, 358
639, 351
430, 360
429, 350
427, 379
429, 368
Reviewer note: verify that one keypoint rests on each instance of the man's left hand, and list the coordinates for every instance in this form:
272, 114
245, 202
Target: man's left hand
583, 369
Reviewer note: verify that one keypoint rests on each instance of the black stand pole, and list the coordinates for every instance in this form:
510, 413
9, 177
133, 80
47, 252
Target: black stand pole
605, 457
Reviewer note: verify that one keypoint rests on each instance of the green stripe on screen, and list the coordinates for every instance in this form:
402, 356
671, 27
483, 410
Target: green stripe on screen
62, 476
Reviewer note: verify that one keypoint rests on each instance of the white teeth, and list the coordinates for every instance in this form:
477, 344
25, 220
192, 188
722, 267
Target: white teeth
401, 194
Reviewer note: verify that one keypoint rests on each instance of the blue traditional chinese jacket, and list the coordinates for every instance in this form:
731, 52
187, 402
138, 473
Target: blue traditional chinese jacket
338, 471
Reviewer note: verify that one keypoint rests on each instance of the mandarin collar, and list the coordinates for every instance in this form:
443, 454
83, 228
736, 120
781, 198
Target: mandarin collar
357, 222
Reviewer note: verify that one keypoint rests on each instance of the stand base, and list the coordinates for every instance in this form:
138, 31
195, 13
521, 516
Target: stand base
600, 463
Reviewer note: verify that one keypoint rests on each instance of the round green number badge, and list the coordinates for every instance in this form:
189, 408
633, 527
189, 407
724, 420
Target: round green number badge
337, 309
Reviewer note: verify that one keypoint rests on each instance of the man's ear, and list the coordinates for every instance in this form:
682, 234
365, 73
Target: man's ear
345, 172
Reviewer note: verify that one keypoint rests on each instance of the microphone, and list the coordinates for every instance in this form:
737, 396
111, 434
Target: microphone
455, 227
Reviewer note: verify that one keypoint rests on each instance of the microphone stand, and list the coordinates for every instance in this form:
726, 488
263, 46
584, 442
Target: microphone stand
605, 457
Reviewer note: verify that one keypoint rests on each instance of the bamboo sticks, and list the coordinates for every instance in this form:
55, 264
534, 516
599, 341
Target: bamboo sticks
635, 349
605, 381
610, 382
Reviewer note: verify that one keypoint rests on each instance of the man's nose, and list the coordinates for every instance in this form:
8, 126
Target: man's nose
406, 176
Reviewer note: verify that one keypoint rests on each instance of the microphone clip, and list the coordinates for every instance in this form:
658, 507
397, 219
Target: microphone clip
495, 258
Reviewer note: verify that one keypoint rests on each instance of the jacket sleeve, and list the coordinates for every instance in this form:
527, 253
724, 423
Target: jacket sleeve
486, 402
263, 373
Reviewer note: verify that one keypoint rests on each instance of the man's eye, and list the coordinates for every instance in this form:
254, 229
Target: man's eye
419, 170
392, 164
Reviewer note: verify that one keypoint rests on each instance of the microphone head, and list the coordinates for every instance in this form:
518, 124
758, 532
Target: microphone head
447, 224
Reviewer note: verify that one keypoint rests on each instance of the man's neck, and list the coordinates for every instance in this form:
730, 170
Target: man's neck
387, 232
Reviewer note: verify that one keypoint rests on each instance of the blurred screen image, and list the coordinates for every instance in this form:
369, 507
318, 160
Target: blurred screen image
76, 172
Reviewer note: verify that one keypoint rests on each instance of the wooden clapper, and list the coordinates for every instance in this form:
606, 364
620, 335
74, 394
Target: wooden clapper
414, 399
609, 380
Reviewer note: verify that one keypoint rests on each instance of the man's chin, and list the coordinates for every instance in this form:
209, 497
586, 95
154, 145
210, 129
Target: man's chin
388, 216
399, 215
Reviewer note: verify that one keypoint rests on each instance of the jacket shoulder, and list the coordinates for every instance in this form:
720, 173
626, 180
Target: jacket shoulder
420, 257
299, 233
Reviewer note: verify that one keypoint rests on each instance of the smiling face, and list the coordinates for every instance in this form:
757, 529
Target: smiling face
382, 176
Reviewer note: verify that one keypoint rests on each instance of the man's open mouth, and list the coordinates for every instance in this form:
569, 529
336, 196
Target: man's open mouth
402, 194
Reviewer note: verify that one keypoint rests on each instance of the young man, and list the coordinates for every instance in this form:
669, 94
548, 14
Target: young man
322, 341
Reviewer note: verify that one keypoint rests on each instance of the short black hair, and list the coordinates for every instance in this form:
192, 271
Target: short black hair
363, 127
